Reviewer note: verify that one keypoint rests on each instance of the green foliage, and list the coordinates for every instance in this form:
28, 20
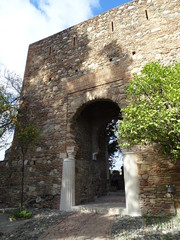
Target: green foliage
8, 113
178, 218
27, 135
157, 220
113, 146
153, 112
20, 214
10, 89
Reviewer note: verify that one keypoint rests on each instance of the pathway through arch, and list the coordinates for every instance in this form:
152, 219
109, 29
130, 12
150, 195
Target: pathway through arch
80, 226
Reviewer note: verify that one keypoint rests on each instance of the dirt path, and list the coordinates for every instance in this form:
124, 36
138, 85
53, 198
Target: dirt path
80, 226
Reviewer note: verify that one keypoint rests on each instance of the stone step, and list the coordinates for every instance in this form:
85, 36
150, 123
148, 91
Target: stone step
113, 199
102, 209
113, 204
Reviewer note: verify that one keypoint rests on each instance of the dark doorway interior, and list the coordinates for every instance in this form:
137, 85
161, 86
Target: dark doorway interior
92, 177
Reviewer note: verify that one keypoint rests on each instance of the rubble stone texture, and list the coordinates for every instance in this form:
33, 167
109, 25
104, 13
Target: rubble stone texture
74, 84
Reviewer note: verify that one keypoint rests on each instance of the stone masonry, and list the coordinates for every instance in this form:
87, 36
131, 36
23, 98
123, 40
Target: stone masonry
74, 84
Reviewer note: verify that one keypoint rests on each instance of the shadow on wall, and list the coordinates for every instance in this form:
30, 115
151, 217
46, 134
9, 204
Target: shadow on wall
99, 67
107, 81
119, 60
101, 85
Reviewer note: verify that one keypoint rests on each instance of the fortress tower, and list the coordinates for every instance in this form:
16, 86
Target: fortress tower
74, 84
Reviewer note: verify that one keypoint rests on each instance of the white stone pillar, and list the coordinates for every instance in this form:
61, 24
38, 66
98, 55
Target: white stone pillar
131, 183
68, 184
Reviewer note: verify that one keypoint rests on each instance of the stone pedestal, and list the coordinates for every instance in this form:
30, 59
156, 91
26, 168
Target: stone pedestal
131, 183
68, 181
68, 185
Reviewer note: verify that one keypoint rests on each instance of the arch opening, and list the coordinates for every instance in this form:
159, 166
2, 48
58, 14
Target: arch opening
92, 175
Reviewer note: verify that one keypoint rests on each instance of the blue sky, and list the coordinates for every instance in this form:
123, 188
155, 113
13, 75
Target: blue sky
106, 5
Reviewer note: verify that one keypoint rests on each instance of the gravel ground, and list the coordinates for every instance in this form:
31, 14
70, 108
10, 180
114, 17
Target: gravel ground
149, 228
31, 230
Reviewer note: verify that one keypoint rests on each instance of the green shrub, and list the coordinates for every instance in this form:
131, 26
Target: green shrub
20, 214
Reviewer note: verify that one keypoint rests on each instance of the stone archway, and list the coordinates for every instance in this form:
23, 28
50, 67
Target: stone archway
87, 160
91, 172
85, 170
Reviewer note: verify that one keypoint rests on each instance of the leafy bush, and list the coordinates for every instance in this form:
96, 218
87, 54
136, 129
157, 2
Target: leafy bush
20, 214
153, 113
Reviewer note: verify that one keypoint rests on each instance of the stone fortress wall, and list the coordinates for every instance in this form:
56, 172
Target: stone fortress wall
89, 62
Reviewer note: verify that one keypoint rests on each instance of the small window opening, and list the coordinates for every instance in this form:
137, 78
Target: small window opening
34, 162
50, 50
146, 12
50, 79
133, 52
76, 70
74, 41
112, 26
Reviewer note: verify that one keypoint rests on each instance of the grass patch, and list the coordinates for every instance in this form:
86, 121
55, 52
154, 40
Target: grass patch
162, 222
20, 214
150, 220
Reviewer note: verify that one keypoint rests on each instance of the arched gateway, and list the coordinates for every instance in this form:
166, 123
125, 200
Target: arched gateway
72, 89
86, 169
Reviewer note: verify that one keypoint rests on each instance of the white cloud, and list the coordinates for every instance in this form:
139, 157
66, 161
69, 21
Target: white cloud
21, 24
